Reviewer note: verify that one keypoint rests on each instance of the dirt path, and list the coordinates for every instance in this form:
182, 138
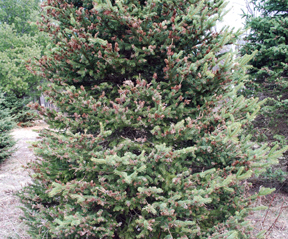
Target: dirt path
12, 178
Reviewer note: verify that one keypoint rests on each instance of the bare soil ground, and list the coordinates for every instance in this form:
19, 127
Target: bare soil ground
274, 220
13, 177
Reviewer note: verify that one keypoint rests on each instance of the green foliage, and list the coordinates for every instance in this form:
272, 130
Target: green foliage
19, 42
268, 34
148, 141
19, 110
15, 51
19, 13
275, 175
6, 125
268, 77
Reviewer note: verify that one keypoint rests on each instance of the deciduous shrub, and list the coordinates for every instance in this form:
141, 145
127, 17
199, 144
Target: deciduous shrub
148, 140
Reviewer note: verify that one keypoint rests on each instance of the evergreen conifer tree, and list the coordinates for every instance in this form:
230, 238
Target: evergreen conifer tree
148, 141
267, 33
6, 124
267, 23
19, 110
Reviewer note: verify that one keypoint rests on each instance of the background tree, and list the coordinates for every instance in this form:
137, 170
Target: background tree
20, 41
268, 34
20, 13
267, 21
15, 50
6, 124
148, 140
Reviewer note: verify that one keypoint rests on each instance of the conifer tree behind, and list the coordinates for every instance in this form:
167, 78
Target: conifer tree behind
19, 110
268, 34
148, 139
268, 78
6, 125
269, 73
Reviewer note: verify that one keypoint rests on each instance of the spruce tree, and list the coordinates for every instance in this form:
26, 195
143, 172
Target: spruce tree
267, 33
6, 125
19, 110
148, 141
